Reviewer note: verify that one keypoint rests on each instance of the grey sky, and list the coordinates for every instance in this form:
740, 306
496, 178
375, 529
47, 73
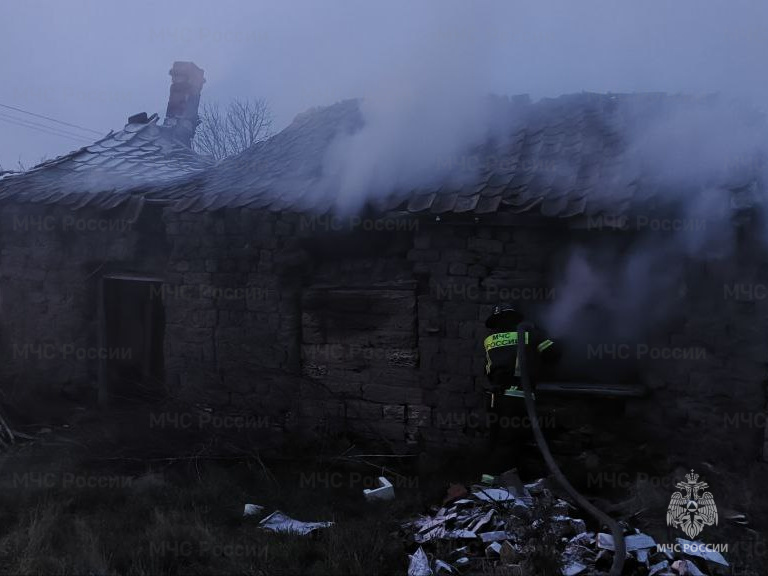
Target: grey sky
94, 63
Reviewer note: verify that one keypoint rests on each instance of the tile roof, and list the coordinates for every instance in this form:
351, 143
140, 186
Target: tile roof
141, 156
559, 157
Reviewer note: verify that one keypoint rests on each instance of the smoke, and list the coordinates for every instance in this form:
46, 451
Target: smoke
412, 138
424, 70
686, 155
693, 159
428, 104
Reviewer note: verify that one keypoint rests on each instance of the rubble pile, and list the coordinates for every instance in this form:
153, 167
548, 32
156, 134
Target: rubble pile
502, 526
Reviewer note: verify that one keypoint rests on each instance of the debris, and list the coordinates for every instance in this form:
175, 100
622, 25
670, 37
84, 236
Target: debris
440, 532
429, 524
537, 487
496, 536
385, 491
573, 568
521, 508
605, 541
419, 565
583, 539
459, 534
279, 522
635, 542
700, 550
493, 494
562, 507
567, 526
511, 480
490, 529
253, 510
687, 568
483, 520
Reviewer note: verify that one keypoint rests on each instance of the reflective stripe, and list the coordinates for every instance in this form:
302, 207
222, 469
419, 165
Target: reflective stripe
544, 345
516, 392
503, 339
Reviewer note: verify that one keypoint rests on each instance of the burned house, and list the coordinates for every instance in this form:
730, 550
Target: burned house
135, 268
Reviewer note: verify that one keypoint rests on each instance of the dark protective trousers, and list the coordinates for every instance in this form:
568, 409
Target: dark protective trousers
510, 427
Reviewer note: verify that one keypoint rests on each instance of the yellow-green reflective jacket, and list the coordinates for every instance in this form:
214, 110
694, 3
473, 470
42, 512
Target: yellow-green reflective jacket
501, 350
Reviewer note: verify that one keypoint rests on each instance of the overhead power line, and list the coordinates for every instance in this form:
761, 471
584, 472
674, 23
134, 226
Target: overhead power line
51, 119
45, 129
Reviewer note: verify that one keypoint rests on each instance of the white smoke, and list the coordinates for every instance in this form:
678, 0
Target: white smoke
695, 157
427, 105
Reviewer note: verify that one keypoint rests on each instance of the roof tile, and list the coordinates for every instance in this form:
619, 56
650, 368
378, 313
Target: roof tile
562, 157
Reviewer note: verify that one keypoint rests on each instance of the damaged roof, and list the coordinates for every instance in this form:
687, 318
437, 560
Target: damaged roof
559, 157
109, 172
562, 157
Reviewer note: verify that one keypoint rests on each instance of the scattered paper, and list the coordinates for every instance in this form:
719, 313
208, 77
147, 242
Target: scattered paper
636, 542
419, 565
253, 510
494, 495
573, 568
496, 536
279, 522
698, 549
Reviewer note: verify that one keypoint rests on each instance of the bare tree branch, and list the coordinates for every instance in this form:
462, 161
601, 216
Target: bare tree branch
243, 124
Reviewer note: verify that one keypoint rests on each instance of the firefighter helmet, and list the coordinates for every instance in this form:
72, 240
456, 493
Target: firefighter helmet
503, 316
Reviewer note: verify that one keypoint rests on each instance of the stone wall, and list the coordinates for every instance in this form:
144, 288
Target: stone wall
371, 328
51, 262
712, 404
232, 310
463, 272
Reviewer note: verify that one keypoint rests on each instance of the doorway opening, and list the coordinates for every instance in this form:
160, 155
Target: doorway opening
132, 332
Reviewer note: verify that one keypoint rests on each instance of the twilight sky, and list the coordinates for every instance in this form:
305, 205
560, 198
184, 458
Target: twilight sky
95, 62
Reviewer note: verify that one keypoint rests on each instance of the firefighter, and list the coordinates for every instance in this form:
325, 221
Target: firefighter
506, 399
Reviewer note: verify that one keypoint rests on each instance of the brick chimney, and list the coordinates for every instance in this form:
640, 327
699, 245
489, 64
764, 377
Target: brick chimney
181, 115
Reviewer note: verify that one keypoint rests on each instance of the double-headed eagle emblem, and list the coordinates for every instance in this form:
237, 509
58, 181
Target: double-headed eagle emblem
691, 512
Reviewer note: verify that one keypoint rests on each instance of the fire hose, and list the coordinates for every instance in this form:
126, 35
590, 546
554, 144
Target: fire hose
620, 548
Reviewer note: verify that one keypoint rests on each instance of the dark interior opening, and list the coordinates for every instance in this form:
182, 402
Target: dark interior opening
134, 324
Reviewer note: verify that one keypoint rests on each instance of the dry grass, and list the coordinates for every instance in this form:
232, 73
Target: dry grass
181, 521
